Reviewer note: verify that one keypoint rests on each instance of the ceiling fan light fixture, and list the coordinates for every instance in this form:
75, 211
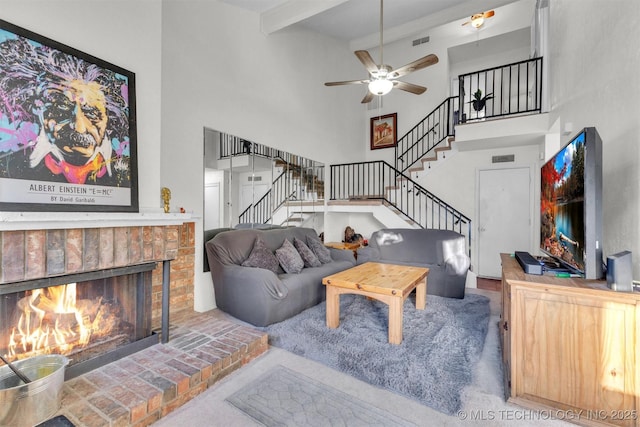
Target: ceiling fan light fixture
477, 22
380, 86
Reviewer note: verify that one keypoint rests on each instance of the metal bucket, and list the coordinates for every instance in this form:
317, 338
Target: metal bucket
31, 404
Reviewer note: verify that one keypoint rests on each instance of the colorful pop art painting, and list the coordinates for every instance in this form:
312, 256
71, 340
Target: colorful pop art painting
67, 128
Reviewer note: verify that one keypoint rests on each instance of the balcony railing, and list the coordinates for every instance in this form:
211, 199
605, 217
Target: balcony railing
511, 89
378, 180
231, 145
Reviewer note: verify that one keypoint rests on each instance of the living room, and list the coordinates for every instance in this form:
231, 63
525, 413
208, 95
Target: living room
208, 64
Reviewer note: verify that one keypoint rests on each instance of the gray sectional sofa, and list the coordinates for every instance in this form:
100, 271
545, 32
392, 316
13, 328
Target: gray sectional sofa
262, 296
442, 251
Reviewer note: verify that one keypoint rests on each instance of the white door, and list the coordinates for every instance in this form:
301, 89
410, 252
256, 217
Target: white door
211, 206
504, 216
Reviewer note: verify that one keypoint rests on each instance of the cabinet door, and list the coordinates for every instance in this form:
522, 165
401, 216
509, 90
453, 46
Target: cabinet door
576, 351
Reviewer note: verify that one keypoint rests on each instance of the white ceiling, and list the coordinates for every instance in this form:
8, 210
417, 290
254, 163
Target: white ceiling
358, 21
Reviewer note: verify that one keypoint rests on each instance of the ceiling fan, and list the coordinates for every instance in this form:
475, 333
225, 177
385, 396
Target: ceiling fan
477, 20
382, 78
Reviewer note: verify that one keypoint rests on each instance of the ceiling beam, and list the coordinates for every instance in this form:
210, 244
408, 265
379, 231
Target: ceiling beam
292, 12
399, 32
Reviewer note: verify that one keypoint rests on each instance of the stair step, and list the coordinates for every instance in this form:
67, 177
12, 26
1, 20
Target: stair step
367, 197
305, 203
356, 202
304, 212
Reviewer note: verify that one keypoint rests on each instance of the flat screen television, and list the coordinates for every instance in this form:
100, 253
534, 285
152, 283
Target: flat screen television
571, 205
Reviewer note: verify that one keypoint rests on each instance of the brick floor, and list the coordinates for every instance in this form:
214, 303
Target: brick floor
140, 389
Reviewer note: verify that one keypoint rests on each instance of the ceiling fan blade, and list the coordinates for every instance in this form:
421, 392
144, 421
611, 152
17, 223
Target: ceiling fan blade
488, 14
416, 65
409, 87
367, 61
347, 82
367, 98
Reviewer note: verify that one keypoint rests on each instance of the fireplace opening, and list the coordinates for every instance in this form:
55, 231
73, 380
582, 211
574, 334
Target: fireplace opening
92, 318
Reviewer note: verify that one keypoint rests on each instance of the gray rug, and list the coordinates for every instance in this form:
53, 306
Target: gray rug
282, 397
433, 364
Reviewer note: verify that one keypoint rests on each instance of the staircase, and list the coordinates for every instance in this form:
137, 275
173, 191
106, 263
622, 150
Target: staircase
295, 196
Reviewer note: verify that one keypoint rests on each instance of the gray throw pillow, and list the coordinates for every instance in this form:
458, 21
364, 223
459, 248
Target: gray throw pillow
322, 252
308, 257
289, 258
261, 257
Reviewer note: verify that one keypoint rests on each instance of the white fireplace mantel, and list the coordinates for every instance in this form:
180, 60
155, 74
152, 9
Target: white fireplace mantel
10, 221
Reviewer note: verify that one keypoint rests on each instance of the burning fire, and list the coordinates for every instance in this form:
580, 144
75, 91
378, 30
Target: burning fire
54, 318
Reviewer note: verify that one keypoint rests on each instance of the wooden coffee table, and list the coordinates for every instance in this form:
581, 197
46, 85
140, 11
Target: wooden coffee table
388, 283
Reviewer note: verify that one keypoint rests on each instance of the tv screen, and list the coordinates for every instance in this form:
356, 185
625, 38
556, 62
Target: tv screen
570, 205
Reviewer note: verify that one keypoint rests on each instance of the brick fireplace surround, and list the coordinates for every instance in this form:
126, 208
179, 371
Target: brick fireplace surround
139, 389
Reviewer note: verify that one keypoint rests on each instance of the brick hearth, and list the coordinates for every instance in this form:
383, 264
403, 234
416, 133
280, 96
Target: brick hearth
141, 388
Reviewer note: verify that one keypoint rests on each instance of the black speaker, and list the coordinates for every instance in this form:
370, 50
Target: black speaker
620, 272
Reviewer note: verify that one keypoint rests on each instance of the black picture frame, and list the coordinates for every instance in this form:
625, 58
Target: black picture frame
68, 138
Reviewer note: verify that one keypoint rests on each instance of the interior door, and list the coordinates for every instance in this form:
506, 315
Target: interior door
212, 206
504, 216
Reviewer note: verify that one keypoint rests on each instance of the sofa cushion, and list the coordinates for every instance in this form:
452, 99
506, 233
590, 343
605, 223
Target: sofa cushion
322, 252
308, 257
289, 258
261, 257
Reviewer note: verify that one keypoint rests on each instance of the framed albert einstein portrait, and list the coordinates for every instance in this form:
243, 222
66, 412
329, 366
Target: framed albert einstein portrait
67, 128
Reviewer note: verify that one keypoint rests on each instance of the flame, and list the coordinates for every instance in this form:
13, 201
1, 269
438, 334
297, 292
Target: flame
50, 321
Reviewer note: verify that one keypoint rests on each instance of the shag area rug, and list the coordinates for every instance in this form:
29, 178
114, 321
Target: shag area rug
435, 361
282, 397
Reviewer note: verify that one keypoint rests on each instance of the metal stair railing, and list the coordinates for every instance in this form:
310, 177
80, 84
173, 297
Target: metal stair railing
378, 180
424, 137
515, 89
262, 211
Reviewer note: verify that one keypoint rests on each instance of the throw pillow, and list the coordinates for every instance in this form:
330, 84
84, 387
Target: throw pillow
289, 258
308, 257
322, 252
261, 257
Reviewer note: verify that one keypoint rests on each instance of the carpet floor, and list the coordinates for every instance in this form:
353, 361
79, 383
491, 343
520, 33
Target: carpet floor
483, 400
434, 362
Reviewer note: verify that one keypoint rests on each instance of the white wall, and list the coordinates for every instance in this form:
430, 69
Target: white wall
219, 71
125, 36
594, 82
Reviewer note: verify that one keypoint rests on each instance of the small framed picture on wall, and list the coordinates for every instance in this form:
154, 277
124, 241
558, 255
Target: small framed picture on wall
384, 131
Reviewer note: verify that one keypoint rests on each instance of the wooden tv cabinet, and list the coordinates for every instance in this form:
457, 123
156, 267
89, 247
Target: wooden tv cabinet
570, 347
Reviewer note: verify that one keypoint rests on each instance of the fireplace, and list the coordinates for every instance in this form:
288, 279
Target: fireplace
126, 278
92, 318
